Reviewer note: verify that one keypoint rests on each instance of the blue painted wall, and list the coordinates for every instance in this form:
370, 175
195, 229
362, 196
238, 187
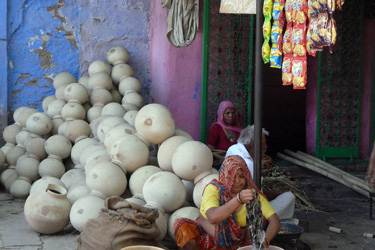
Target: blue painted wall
51, 36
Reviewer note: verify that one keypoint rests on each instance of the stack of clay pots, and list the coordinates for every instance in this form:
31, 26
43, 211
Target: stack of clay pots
95, 136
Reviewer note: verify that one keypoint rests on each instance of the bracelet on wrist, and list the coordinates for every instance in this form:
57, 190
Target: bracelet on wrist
267, 241
239, 198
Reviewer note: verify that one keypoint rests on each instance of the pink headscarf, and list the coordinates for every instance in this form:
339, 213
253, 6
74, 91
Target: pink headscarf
220, 111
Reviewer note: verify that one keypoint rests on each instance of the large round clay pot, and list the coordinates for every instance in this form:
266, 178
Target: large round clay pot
57, 121
94, 112
72, 177
129, 83
130, 116
100, 96
47, 212
167, 149
120, 71
199, 187
39, 123
96, 158
22, 137
139, 177
155, 122
129, 152
128, 107
20, 188
16, 114
99, 66
79, 146
77, 191
181, 132
84, 81
100, 81
46, 101
116, 95
6, 148
10, 132
12, 177
192, 160
58, 146
106, 179
51, 166
13, 154
94, 124
191, 213
11, 170
76, 130
73, 110
63, 78
189, 187
114, 109
162, 224
76, 92
88, 151
28, 168
133, 98
2, 158
116, 132
84, 209
59, 93
35, 148
55, 107
24, 116
117, 54
107, 124
165, 191
43, 183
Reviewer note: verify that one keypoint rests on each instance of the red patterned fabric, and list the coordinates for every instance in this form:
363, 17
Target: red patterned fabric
370, 175
218, 139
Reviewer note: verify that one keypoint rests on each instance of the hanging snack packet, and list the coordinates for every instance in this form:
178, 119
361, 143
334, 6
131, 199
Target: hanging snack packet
331, 34
289, 11
331, 5
287, 71
339, 4
300, 12
267, 12
287, 40
309, 41
299, 71
276, 49
319, 31
312, 6
298, 41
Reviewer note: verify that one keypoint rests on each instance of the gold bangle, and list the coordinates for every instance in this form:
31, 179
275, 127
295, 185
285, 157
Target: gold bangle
267, 241
239, 199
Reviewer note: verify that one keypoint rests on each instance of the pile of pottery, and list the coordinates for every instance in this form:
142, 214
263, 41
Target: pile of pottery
95, 139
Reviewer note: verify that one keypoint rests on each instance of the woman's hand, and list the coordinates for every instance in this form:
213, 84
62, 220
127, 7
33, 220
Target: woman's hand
246, 195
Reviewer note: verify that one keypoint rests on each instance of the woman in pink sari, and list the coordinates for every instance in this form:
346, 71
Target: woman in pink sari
225, 132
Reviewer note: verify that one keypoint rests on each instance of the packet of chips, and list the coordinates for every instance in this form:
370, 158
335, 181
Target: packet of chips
331, 34
300, 12
319, 31
287, 40
289, 11
276, 49
267, 12
298, 41
299, 72
309, 42
286, 71
339, 4
331, 5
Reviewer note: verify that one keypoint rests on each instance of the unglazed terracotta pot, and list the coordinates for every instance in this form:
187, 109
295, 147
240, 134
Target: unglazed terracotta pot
114, 109
165, 191
77, 191
99, 66
84, 209
13, 154
100, 96
35, 148
120, 71
199, 187
192, 161
24, 115
47, 212
2, 158
96, 158
51, 166
58, 146
116, 132
116, 95
191, 213
88, 151
155, 122
130, 116
11, 170
46, 101
79, 146
59, 93
39, 123
129, 152
132, 97
73, 110
95, 124
129, 83
181, 132
20, 188
72, 177
22, 137
117, 54
43, 183
28, 167
139, 177
63, 78
84, 81
167, 149
107, 124
128, 107
57, 121
94, 112
76, 92
77, 129
55, 107
106, 179
10, 132
100, 81
189, 187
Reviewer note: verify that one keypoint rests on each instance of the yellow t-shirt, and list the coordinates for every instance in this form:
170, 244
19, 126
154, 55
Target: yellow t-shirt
211, 199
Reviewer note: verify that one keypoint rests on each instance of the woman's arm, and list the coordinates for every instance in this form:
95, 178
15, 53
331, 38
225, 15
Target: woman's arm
272, 229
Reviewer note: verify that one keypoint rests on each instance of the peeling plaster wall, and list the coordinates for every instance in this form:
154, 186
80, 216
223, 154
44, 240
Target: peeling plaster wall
52, 36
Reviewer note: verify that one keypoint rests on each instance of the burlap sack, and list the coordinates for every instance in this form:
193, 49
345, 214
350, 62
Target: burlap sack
120, 224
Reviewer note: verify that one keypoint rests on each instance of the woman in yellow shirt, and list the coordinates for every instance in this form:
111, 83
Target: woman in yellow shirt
222, 220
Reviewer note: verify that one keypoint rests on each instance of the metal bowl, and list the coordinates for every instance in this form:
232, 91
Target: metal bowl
288, 232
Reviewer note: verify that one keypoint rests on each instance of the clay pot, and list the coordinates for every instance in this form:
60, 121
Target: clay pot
99, 66
180, 132
100, 96
130, 116
84, 209
191, 213
192, 160
106, 179
22, 137
117, 54
155, 122
28, 167
39, 123
2, 158
88, 151
24, 115
84, 81
165, 191
43, 183
35, 148
107, 124
13, 154
59, 93
55, 107
17, 113
120, 71
167, 149
57, 121
51, 166
6, 148
199, 187
162, 224
189, 187
96, 158
133, 98
95, 124
129, 152
47, 212
128, 107
139, 177
10, 132
100, 81
12, 177
79, 146
76, 130
73, 111
58, 146
7, 173
116, 132
20, 188
77, 191
76, 92
63, 78
129, 83
114, 109
116, 96
46, 101
94, 112
72, 177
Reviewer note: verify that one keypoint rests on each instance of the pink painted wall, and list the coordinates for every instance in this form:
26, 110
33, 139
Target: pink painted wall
176, 73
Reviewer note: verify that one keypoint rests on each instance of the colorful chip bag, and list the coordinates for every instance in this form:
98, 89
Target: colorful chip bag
298, 41
286, 72
267, 12
299, 71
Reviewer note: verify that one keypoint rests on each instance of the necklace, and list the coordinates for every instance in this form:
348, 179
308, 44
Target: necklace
231, 135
